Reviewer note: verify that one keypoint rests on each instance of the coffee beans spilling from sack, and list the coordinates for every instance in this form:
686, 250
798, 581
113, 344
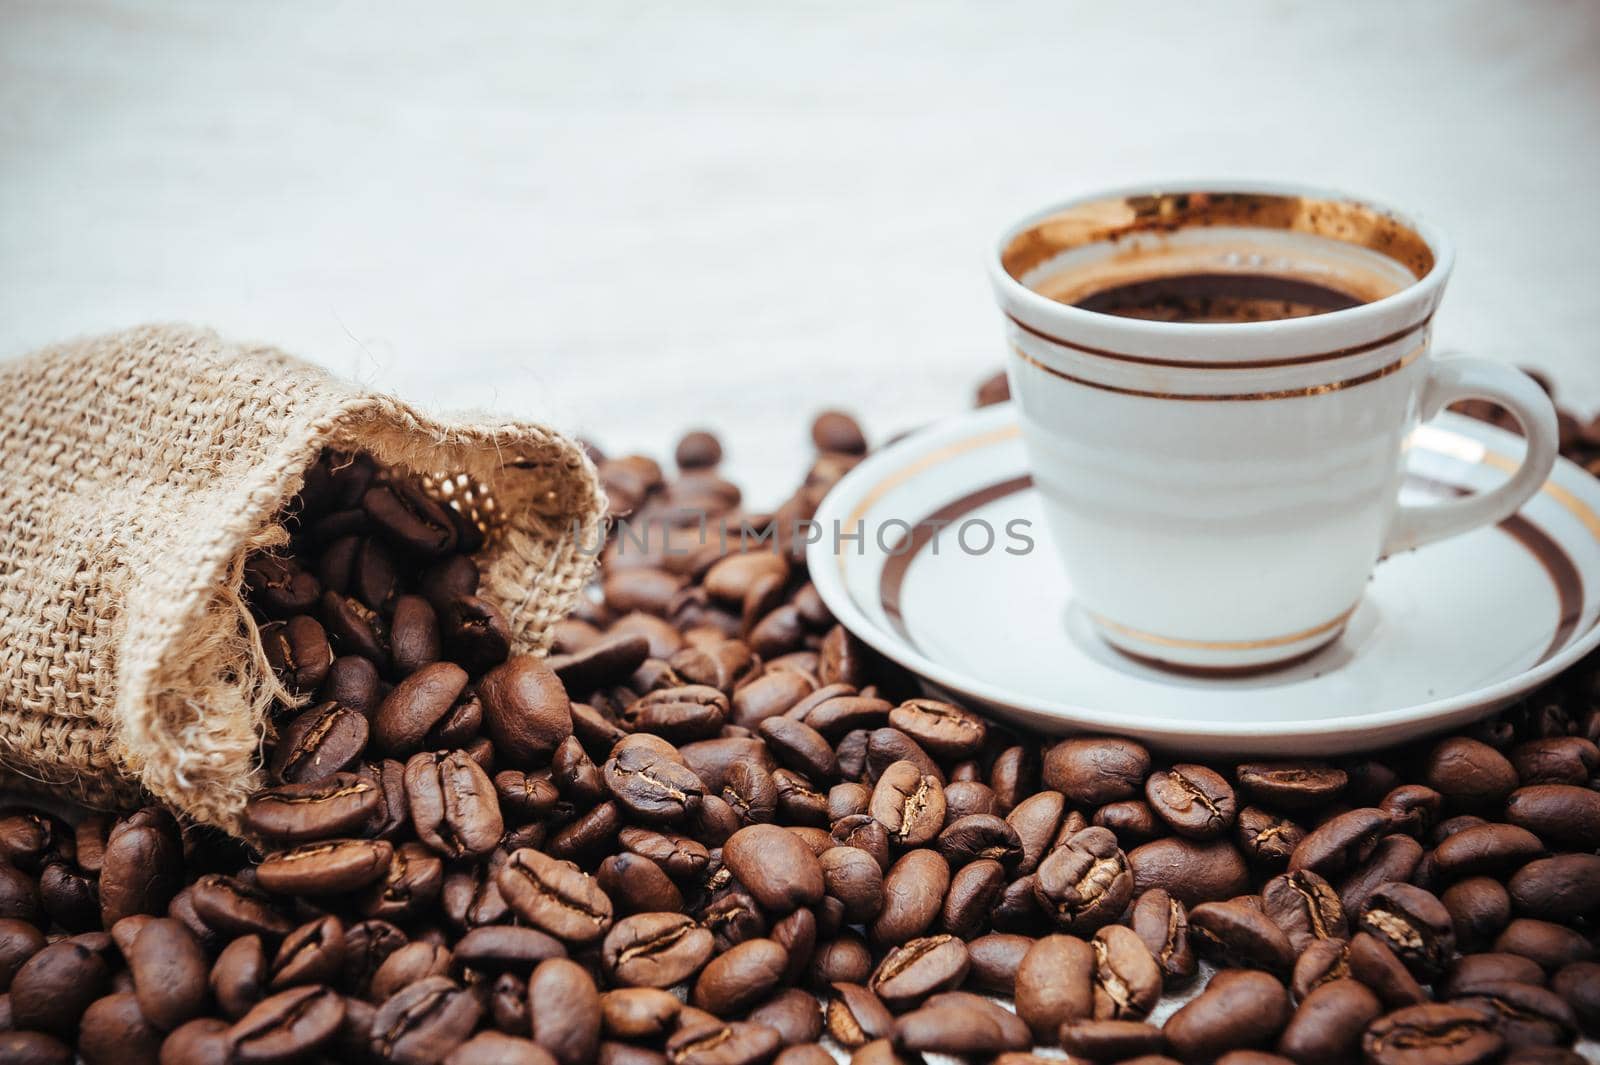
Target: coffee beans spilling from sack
713, 829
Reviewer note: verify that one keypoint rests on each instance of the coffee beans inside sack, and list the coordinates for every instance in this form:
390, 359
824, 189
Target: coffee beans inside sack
712, 828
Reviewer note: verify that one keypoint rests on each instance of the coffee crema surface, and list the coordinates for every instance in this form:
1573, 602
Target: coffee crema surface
1219, 297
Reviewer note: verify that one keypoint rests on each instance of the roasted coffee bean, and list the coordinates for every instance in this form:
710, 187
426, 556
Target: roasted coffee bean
1579, 985
311, 954
638, 1013
414, 961
794, 1014
526, 710
725, 1043
1556, 760
1341, 843
115, 1032
1127, 979
69, 898
943, 729
1473, 971
502, 948
682, 858
555, 896
170, 971
637, 885
1267, 838
1239, 1009
289, 1025
238, 980
354, 628
424, 1022
1162, 923
413, 634
1305, 906
912, 971
329, 867
1132, 820
1323, 960
1557, 813
1291, 785
401, 724
1487, 848
732, 916
1085, 882
968, 798
367, 945
1562, 888
1192, 872
776, 868
1019, 909
913, 896
740, 977
1095, 771
320, 742
855, 1016
1431, 1034
1371, 961
968, 1026
979, 836
1240, 936
1479, 908
655, 949
1414, 924
864, 832
854, 877
652, 787
1551, 945
1035, 820
474, 633
1195, 801
1523, 1014
909, 804
995, 959
19, 941
140, 869
298, 813
1395, 858
51, 990
608, 660
278, 586
453, 805
679, 715
798, 746
797, 934
498, 1048
974, 889
298, 652
1469, 772
1412, 809
1329, 1023
234, 908
565, 1010
1111, 1040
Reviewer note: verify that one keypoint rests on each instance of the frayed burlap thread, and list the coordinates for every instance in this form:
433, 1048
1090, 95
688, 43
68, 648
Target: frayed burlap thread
140, 469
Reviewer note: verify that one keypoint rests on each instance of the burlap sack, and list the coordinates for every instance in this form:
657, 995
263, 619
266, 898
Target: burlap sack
138, 471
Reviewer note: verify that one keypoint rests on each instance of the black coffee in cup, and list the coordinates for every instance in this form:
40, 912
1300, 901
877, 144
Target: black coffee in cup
1219, 297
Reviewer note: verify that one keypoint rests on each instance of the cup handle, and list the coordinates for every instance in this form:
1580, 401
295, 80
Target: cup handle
1473, 378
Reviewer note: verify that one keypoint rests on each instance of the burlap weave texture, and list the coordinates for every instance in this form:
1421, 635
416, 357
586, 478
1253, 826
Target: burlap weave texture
140, 469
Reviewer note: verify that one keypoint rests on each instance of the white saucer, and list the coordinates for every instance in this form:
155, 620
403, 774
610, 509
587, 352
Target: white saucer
1444, 635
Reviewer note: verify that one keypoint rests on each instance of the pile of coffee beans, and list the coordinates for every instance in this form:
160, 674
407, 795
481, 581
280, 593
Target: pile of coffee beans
714, 829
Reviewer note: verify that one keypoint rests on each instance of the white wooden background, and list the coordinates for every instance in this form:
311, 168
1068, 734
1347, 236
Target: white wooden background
629, 218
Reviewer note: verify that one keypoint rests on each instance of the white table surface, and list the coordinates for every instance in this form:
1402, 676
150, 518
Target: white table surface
625, 219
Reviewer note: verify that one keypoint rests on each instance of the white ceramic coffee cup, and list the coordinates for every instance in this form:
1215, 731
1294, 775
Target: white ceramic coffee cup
1220, 492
